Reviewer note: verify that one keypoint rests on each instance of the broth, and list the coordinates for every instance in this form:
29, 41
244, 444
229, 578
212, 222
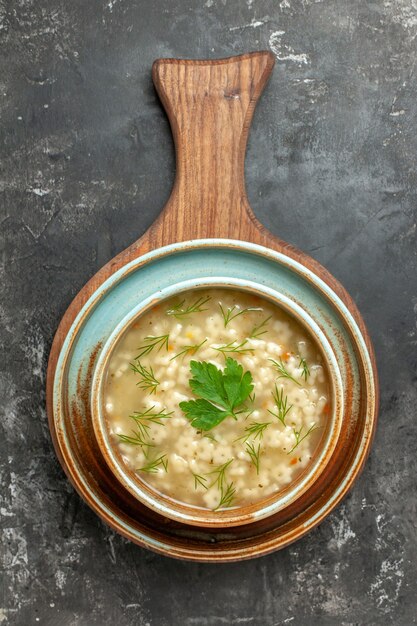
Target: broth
229, 438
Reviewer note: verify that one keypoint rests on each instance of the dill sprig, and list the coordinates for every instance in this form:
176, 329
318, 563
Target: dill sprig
137, 440
282, 371
210, 436
281, 403
306, 371
192, 349
227, 492
252, 397
199, 480
148, 380
254, 454
153, 466
220, 473
152, 342
299, 438
230, 314
255, 430
150, 416
143, 419
226, 497
258, 331
248, 414
234, 348
179, 310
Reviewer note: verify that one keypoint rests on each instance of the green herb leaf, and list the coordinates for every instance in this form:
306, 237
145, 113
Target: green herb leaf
199, 481
153, 466
258, 331
149, 415
147, 377
255, 430
299, 437
208, 436
152, 342
234, 311
207, 382
203, 414
137, 440
254, 454
220, 474
143, 419
180, 311
238, 386
192, 349
281, 403
234, 348
220, 393
306, 371
227, 492
226, 497
283, 372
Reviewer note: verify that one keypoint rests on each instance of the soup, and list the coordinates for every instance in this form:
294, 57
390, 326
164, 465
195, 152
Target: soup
216, 398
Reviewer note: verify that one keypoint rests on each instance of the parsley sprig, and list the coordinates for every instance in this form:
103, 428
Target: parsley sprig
220, 393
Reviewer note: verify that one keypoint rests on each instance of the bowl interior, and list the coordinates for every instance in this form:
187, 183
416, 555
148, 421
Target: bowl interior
239, 515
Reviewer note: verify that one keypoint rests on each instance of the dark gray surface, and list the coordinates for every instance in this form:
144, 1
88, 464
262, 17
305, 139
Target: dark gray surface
86, 165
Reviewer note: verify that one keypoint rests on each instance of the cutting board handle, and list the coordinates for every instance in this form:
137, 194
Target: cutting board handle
210, 106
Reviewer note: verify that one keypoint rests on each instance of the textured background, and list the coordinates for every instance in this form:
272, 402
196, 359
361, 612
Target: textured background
86, 164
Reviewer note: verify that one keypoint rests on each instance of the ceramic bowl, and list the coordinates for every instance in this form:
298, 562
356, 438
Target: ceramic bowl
240, 515
138, 513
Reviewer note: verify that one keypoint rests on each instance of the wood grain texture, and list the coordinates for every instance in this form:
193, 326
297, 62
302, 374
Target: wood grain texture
210, 106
